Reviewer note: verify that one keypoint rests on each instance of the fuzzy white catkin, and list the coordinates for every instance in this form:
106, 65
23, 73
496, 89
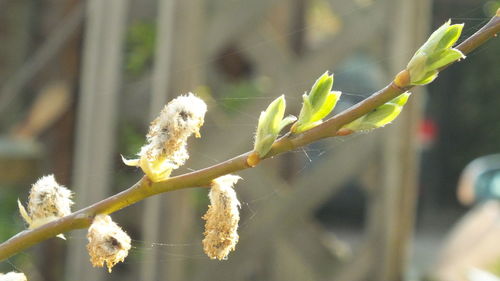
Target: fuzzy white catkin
108, 243
47, 201
222, 217
166, 146
13, 276
168, 133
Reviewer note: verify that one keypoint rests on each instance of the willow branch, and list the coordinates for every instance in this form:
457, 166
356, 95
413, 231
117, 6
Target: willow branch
144, 188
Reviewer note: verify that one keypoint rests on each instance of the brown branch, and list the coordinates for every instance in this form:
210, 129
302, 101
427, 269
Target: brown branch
145, 188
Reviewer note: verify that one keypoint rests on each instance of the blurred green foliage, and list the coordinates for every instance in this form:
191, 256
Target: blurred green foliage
140, 46
8, 212
491, 7
11, 223
131, 139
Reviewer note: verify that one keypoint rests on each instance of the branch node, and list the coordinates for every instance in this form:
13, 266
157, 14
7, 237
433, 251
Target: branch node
344, 132
402, 79
253, 159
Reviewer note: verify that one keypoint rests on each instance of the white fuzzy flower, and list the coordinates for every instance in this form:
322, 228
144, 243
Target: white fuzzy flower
165, 149
48, 201
108, 243
13, 276
222, 217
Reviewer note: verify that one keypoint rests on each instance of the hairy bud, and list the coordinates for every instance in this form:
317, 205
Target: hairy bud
165, 149
222, 217
47, 201
108, 243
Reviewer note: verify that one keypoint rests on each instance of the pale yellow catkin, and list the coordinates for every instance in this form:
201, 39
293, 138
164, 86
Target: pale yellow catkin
108, 243
222, 217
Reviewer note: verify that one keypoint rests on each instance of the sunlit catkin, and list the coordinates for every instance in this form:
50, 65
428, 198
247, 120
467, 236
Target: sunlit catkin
13, 276
165, 149
47, 201
222, 217
108, 243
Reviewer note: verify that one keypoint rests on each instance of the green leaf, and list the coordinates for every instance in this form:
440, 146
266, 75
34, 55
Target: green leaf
380, 116
23, 212
417, 66
270, 124
264, 145
276, 112
327, 106
435, 53
450, 37
307, 110
433, 42
428, 78
445, 58
307, 126
287, 121
270, 119
402, 99
317, 105
320, 90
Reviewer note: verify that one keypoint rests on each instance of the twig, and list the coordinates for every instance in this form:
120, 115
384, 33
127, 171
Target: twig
201, 178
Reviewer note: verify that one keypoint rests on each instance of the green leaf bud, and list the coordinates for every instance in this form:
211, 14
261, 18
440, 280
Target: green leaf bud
380, 116
317, 104
434, 54
450, 36
443, 58
270, 124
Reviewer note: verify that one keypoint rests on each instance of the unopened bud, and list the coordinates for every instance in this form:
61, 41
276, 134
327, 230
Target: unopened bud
48, 201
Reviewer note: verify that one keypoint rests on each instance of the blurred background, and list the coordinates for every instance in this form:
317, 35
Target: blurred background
81, 80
